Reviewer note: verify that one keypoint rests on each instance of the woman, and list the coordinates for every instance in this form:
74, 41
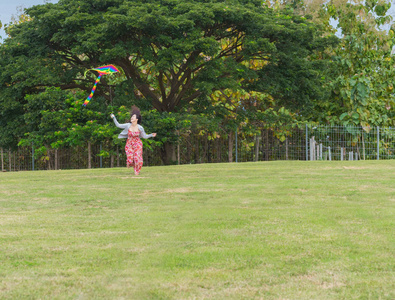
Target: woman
134, 146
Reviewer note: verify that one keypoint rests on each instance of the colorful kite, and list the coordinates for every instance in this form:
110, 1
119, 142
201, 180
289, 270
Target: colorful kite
104, 70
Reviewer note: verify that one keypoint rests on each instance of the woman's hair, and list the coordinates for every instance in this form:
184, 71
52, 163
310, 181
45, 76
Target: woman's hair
136, 111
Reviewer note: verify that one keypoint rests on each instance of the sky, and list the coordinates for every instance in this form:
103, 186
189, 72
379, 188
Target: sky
8, 8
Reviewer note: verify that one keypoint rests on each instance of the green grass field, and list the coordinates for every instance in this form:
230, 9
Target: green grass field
268, 230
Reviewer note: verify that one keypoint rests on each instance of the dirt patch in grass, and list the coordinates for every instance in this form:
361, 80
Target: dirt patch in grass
323, 280
13, 193
354, 168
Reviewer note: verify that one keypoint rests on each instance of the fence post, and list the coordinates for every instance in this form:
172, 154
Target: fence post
341, 153
378, 142
320, 151
307, 143
236, 144
32, 157
312, 148
329, 153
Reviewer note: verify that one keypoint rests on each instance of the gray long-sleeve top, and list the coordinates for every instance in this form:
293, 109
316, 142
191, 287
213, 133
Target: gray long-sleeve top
126, 126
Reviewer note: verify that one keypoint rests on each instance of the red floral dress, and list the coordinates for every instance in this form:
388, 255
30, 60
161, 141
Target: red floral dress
134, 151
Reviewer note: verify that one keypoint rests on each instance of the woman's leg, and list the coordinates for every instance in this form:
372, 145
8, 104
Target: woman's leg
137, 168
138, 158
129, 155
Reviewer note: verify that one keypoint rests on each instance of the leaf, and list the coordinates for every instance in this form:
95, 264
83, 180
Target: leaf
342, 116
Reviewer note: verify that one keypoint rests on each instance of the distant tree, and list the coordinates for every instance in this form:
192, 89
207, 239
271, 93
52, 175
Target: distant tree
364, 77
361, 78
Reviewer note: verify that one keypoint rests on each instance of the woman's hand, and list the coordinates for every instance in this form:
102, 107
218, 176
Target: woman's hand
112, 116
154, 134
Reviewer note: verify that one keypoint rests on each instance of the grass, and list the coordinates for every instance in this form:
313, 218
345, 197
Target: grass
269, 230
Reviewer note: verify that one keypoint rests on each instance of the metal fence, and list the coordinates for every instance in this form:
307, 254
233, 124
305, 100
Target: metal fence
350, 143
324, 143
306, 142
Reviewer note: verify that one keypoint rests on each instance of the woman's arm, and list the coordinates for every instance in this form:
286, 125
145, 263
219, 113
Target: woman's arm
144, 135
123, 126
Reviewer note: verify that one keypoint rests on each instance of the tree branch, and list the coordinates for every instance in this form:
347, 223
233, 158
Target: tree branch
133, 73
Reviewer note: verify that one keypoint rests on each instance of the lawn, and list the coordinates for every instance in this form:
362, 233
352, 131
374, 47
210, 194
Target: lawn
267, 230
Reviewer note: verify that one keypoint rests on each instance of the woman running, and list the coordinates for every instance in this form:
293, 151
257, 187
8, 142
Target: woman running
133, 131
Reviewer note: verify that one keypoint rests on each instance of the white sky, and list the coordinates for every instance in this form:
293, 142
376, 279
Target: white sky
8, 8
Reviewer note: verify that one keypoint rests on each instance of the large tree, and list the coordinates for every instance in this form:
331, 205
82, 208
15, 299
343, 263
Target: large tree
172, 53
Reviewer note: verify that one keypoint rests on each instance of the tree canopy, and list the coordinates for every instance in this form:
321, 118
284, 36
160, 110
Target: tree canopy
172, 54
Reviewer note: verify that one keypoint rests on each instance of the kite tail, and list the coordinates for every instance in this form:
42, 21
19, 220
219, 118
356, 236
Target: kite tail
93, 91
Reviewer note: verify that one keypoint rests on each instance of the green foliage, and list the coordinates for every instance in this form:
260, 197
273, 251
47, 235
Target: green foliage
60, 120
363, 79
295, 79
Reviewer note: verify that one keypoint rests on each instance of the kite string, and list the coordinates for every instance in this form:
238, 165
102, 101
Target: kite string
93, 90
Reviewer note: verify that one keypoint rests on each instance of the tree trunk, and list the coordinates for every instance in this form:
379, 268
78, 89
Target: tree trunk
56, 159
267, 145
286, 148
218, 149
197, 146
204, 156
9, 159
2, 160
178, 149
49, 164
208, 145
256, 158
178, 154
230, 149
168, 153
89, 156
188, 152
118, 157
